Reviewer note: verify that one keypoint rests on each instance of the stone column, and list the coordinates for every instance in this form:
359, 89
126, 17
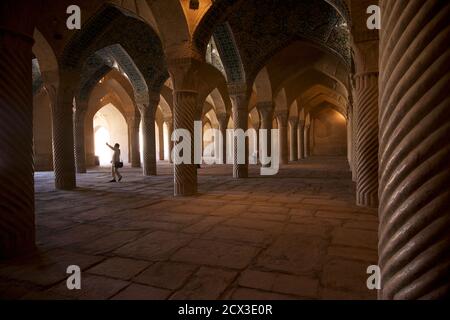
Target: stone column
349, 143
307, 141
169, 123
223, 124
293, 123
239, 101
366, 88
184, 74
63, 141
161, 139
414, 122
148, 113
282, 126
265, 110
78, 136
134, 124
350, 136
365, 45
301, 139
17, 231
89, 138
354, 143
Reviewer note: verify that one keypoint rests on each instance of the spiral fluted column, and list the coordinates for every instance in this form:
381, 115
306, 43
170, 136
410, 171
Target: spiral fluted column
265, 110
350, 142
134, 124
169, 124
62, 131
17, 233
185, 103
293, 124
414, 238
78, 136
307, 140
366, 103
301, 139
239, 100
282, 127
161, 140
223, 124
148, 136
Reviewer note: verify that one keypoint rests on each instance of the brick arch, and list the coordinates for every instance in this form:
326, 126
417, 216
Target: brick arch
281, 102
326, 103
111, 26
263, 86
38, 82
220, 107
293, 109
211, 115
46, 60
88, 84
316, 97
310, 79
300, 57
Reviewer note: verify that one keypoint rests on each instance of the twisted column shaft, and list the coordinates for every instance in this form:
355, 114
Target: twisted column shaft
293, 139
17, 233
223, 124
354, 144
239, 102
63, 141
414, 211
282, 126
148, 137
307, 141
366, 89
78, 135
185, 103
169, 123
134, 123
161, 139
265, 110
301, 140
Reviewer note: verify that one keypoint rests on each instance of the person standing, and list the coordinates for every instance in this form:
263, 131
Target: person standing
115, 162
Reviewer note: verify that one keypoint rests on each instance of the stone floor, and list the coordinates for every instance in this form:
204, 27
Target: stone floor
297, 235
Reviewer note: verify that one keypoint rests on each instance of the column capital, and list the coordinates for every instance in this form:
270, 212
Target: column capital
265, 108
78, 116
81, 106
293, 121
366, 79
366, 56
222, 117
185, 73
151, 106
237, 89
282, 118
167, 119
177, 53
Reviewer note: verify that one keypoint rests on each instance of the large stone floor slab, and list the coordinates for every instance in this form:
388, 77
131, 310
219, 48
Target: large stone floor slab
296, 235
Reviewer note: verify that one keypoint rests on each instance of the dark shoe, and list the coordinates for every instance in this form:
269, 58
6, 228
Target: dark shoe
120, 179
113, 180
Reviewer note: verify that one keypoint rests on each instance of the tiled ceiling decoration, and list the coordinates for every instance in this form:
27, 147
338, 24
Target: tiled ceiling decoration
259, 39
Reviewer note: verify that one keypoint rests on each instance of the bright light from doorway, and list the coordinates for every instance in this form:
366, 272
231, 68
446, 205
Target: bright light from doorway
101, 149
